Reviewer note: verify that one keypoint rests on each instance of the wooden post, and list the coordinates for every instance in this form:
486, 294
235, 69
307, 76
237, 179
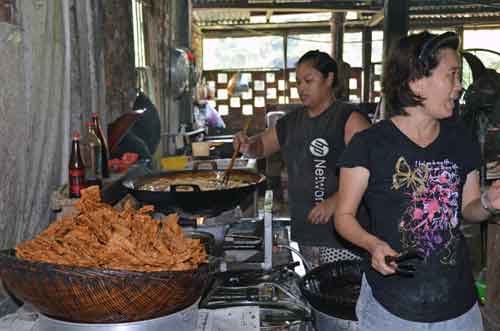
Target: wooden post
343, 70
183, 39
337, 33
395, 27
395, 22
367, 62
7, 11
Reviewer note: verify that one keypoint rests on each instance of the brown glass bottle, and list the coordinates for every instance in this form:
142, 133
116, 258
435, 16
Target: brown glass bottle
104, 145
76, 168
92, 156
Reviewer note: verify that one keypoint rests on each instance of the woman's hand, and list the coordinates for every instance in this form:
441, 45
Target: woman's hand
241, 142
379, 251
322, 213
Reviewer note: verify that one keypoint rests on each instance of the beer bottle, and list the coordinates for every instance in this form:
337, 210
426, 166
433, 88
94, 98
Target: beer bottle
104, 145
93, 157
76, 168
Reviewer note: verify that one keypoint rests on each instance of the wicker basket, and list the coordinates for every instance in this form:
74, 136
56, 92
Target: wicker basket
88, 295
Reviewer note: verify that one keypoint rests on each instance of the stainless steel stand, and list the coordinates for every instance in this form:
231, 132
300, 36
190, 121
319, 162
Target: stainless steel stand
267, 243
184, 320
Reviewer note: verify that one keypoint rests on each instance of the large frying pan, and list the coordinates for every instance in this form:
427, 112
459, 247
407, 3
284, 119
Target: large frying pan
194, 200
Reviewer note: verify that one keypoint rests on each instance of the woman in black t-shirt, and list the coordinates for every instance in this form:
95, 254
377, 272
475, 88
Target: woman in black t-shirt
418, 174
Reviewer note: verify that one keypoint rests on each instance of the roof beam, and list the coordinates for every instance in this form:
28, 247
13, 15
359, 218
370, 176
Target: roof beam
428, 23
264, 26
450, 10
300, 6
427, 3
376, 19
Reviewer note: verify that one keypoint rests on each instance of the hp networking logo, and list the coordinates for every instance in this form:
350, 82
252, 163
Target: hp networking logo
319, 147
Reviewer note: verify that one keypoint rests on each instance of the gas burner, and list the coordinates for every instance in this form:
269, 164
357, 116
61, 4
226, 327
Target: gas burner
243, 278
216, 225
225, 217
264, 292
235, 212
267, 289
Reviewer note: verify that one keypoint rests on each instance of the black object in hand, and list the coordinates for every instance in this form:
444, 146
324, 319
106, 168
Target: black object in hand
402, 268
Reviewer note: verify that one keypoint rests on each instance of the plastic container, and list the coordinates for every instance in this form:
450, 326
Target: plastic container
201, 148
174, 162
481, 291
481, 286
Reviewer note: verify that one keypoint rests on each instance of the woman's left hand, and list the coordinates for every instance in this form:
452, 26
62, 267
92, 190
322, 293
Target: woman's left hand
493, 195
322, 213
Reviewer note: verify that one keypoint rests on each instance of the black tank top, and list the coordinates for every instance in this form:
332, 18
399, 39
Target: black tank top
310, 147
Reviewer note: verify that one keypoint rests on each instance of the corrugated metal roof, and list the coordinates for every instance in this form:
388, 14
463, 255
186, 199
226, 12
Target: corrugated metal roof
209, 13
207, 17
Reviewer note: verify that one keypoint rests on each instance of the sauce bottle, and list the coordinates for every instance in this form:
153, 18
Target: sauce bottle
93, 157
104, 145
76, 168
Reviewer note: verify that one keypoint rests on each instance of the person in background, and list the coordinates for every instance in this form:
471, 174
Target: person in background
418, 175
205, 115
310, 140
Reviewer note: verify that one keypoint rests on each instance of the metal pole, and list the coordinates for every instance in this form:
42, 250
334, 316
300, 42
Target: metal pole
268, 231
483, 228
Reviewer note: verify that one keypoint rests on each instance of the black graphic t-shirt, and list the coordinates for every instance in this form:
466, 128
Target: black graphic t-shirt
414, 198
310, 148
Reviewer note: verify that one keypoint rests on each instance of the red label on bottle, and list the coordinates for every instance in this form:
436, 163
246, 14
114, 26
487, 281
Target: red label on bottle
76, 173
76, 182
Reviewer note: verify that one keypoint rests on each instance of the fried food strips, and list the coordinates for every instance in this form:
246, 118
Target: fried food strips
99, 236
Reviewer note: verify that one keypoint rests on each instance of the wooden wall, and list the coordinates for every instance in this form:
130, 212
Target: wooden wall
49, 91
119, 68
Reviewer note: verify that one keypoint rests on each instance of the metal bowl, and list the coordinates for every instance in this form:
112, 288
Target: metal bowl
333, 288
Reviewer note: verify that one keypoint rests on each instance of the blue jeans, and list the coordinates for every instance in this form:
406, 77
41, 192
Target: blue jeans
372, 316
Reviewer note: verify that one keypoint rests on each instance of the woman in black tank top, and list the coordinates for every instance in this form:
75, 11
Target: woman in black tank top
310, 140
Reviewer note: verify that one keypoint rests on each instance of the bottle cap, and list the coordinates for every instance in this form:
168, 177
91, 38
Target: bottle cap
75, 136
94, 114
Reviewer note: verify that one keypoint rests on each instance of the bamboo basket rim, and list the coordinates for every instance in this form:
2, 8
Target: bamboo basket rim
10, 255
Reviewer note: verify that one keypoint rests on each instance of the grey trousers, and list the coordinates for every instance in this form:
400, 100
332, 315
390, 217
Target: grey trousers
372, 316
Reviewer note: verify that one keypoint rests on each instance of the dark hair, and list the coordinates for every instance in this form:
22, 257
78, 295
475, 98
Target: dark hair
322, 62
411, 58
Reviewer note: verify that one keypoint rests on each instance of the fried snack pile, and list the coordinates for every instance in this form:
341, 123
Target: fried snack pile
99, 236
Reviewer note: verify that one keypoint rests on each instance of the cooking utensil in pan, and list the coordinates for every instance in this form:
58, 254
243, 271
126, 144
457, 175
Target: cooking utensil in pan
227, 173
